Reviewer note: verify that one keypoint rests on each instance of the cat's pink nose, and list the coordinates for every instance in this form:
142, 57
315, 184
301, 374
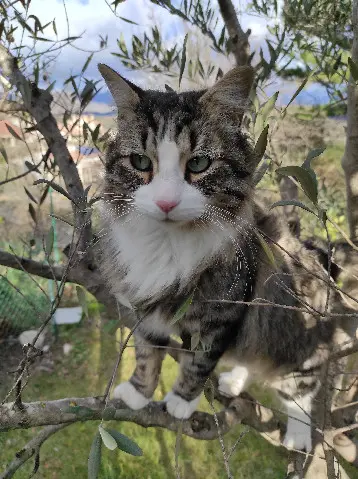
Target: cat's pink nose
166, 206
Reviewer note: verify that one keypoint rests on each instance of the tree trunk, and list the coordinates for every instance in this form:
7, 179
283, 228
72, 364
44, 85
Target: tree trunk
350, 157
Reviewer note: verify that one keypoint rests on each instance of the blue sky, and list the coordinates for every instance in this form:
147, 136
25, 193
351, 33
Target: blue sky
93, 17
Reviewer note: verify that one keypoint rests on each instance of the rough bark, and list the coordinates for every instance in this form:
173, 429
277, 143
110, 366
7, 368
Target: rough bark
239, 38
350, 157
201, 425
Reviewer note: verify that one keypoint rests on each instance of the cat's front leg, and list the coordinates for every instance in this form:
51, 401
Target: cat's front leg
139, 390
195, 368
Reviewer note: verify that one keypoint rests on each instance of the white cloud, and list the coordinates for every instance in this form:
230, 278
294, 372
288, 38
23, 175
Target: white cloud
89, 19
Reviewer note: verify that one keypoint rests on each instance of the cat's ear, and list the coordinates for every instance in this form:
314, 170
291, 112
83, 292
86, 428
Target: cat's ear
125, 94
231, 92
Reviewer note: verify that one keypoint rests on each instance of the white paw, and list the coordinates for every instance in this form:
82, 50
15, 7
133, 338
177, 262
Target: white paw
179, 407
128, 393
232, 383
298, 435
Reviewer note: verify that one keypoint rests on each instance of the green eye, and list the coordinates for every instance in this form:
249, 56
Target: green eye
199, 164
141, 162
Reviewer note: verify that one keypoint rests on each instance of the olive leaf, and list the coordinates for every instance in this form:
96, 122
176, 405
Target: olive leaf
13, 132
107, 439
297, 92
49, 241
183, 59
94, 458
3, 153
182, 309
292, 203
268, 107
306, 177
32, 212
29, 194
311, 155
124, 443
209, 391
261, 144
266, 248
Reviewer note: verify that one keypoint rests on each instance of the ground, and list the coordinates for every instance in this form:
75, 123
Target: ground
85, 371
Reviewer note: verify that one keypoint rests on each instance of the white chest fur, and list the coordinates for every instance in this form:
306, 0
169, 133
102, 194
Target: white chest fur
157, 254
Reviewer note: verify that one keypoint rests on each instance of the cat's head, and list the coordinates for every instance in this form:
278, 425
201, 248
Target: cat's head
179, 157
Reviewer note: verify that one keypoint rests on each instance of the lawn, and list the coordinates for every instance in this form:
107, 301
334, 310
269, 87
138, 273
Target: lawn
85, 372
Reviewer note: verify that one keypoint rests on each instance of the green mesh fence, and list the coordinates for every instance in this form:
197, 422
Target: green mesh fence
22, 303
23, 309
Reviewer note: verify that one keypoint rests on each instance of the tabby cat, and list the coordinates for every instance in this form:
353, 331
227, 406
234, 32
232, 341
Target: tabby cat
182, 222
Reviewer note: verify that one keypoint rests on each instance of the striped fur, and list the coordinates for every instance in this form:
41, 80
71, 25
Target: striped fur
206, 246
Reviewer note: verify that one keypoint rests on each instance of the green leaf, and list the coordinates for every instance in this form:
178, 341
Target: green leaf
353, 67
311, 155
44, 194
305, 177
266, 248
54, 186
125, 444
13, 132
128, 21
261, 171
94, 458
209, 391
29, 194
322, 216
81, 295
297, 92
50, 87
292, 203
195, 339
261, 144
183, 59
107, 439
84, 68
42, 39
31, 167
95, 133
268, 107
49, 241
183, 309
32, 213
3, 153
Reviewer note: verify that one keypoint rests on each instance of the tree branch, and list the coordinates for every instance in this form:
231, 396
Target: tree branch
30, 449
38, 103
239, 39
32, 267
200, 426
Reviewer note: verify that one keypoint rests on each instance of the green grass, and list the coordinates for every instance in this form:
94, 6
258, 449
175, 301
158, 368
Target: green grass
85, 372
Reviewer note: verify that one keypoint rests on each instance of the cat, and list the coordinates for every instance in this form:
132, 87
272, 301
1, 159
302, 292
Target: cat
182, 227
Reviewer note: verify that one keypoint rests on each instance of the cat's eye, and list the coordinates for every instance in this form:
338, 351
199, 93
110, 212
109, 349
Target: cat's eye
141, 162
198, 164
